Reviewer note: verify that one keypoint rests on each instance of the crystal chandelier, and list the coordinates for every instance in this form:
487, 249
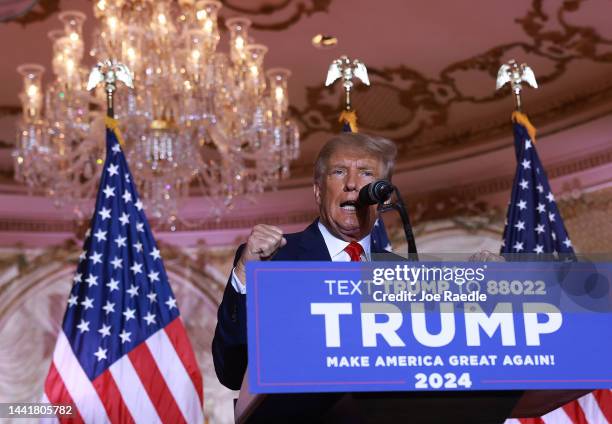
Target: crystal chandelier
198, 120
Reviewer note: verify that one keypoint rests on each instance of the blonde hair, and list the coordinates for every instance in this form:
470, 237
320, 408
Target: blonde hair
380, 147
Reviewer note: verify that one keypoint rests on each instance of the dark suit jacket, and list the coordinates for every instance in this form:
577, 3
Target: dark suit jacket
230, 342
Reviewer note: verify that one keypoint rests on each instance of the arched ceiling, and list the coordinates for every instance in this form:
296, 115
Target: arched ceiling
432, 66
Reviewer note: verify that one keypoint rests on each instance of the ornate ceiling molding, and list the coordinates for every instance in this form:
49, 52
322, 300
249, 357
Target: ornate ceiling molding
9, 110
276, 15
267, 15
12, 9
428, 146
499, 184
404, 104
32, 11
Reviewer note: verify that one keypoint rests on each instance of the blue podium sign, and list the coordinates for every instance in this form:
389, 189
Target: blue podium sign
379, 326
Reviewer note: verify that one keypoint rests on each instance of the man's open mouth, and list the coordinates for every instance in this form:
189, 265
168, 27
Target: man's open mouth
349, 206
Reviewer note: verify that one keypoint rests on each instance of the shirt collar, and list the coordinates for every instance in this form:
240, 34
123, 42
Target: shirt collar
335, 245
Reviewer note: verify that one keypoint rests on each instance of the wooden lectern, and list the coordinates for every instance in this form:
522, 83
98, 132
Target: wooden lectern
433, 407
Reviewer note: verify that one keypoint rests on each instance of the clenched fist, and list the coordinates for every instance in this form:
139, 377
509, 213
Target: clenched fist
262, 244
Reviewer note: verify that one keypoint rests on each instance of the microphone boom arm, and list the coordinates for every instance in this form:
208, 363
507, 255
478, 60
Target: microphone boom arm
400, 207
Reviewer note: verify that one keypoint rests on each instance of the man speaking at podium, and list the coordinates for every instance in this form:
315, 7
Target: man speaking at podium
344, 165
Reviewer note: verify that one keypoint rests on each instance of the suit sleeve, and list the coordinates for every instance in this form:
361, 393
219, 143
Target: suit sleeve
229, 345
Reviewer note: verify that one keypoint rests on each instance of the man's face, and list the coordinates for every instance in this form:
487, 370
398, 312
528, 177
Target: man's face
347, 172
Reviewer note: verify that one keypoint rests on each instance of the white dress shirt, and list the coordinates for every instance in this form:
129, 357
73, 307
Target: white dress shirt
335, 247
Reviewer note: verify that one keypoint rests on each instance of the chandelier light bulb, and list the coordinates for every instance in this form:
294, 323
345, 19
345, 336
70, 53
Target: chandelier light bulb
32, 91
69, 66
239, 33
239, 53
206, 12
239, 43
101, 5
32, 83
278, 78
112, 23
208, 25
279, 95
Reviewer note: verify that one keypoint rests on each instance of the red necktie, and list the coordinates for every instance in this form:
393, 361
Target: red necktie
355, 251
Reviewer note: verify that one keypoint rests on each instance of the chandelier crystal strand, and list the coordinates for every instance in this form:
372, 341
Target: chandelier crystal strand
198, 119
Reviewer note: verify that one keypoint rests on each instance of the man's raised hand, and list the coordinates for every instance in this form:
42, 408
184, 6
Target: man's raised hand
263, 242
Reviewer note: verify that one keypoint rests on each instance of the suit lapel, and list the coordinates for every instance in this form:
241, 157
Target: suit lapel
312, 245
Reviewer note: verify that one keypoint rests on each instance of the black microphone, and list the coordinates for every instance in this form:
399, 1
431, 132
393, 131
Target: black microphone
376, 192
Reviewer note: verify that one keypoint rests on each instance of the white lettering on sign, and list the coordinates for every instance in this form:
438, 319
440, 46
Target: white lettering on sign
533, 328
331, 312
385, 320
387, 329
501, 318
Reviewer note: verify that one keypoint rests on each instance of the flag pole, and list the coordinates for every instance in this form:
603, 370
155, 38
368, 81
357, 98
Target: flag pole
120, 238
515, 74
347, 70
109, 72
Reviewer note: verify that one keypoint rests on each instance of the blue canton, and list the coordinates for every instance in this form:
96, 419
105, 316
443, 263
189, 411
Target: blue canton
121, 294
533, 223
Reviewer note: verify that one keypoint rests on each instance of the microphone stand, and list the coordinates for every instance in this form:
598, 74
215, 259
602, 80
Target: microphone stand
400, 207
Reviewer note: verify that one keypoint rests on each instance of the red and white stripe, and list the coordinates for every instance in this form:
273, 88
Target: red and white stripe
159, 381
593, 408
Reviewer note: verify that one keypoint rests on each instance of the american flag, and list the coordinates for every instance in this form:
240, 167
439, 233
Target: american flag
379, 235
123, 354
534, 225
